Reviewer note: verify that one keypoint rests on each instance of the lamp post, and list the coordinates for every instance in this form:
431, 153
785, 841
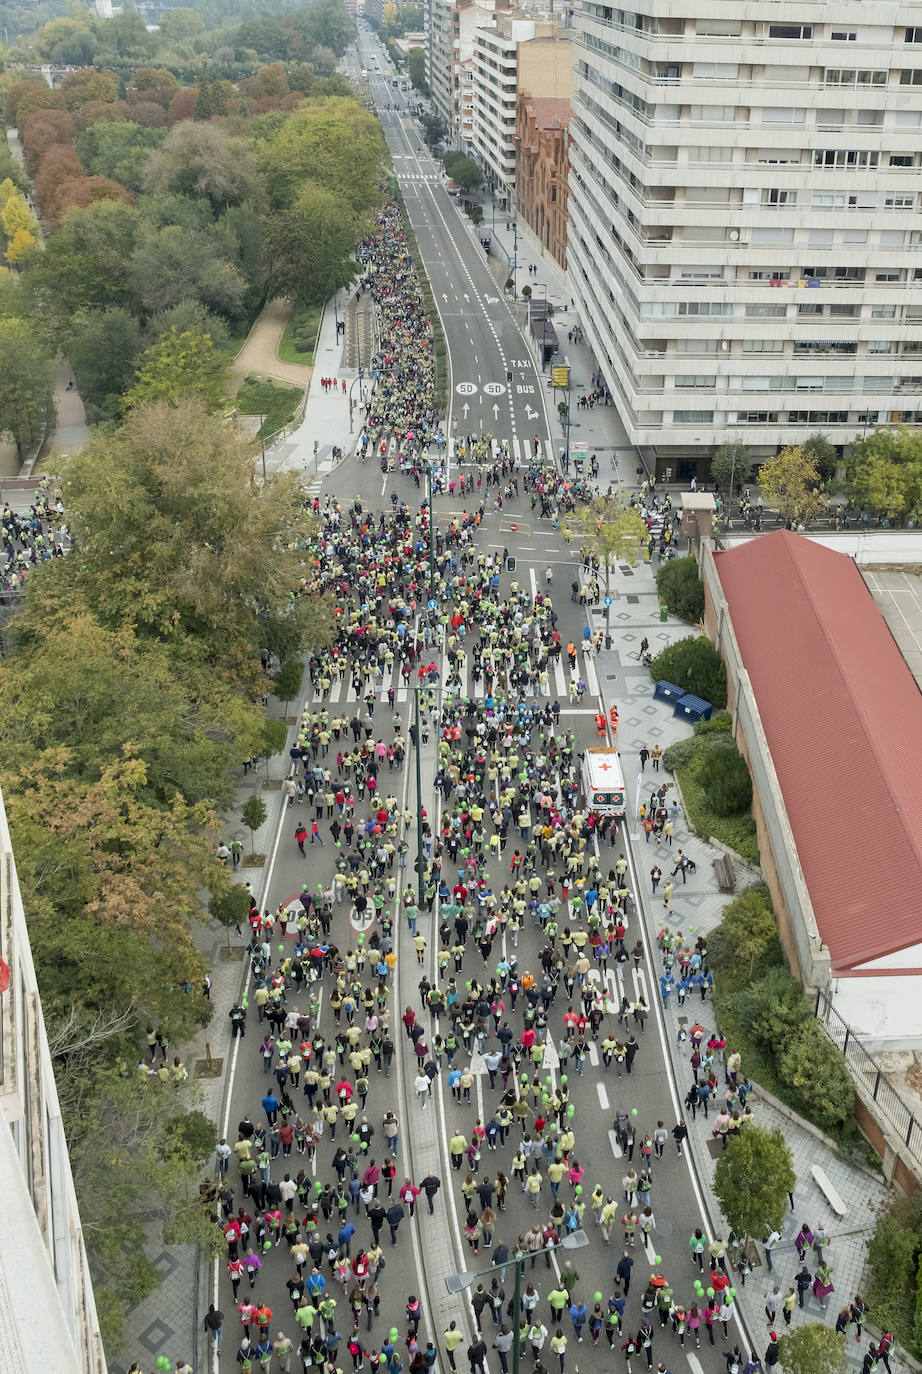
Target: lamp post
456, 1283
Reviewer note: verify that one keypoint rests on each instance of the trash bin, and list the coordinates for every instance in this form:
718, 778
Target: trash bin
510, 563
663, 611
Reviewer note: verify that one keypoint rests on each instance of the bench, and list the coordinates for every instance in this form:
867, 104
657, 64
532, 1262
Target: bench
832, 1197
726, 878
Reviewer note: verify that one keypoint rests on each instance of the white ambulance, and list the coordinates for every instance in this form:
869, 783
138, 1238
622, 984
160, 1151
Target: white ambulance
603, 783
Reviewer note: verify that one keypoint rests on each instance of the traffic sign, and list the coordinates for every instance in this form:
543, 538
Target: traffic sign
606, 600
560, 375
433, 605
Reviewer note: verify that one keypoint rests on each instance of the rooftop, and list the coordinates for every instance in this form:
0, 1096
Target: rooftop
549, 111
842, 715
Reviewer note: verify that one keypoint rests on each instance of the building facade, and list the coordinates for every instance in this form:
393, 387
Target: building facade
745, 219
518, 52
47, 1311
542, 166
450, 26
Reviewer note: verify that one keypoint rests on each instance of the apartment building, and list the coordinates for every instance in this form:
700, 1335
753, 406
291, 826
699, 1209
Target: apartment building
541, 169
518, 52
450, 26
47, 1311
746, 219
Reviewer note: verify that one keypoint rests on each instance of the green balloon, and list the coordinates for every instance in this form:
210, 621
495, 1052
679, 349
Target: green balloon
545, 1097
633, 1111
563, 1078
281, 948
729, 1300
570, 1109
710, 1292
393, 1334
318, 1186
597, 1297
578, 1189
731, 1292
657, 1259
353, 1137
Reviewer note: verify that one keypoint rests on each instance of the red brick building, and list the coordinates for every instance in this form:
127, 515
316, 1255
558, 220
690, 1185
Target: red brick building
542, 164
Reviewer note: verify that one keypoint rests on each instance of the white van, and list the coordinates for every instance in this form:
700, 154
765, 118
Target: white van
603, 782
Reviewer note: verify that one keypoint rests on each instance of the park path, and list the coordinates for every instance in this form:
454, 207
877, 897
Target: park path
259, 352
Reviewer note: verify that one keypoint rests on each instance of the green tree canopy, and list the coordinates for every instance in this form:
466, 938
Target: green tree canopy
791, 485
333, 143
812, 1349
310, 247
732, 462
680, 587
173, 264
178, 367
752, 1179
119, 151
609, 530
26, 405
416, 68
204, 161
885, 472
103, 350
464, 170
86, 265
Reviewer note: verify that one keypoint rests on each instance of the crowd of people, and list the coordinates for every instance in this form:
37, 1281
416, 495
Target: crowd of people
31, 536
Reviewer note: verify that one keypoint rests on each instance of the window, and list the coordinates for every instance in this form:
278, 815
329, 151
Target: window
888, 275
899, 202
722, 28
783, 114
710, 154
850, 158
818, 417
892, 238
883, 312
914, 35
713, 114
901, 159
854, 235
696, 345
880, 346
754, 417
716, 71
553, 194
844, 35
790, 30
845, 312
694, 381
763, 346
854, 76
911, 76
810, 309
692, 417
766, 312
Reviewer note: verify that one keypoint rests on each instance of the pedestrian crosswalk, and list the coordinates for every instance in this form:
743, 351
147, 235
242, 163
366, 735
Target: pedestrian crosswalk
520, 450
564, 684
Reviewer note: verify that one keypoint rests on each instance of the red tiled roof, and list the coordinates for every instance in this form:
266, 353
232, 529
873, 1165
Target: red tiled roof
548, 110
843, 718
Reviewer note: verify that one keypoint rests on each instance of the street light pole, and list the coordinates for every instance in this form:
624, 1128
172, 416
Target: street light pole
419, 804
456, 1283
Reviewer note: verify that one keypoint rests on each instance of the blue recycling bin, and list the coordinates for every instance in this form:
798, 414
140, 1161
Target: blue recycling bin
693, 708
668, 691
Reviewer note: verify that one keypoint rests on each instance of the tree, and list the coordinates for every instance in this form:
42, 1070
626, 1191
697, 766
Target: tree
435, 130
329, 25
179, 367
254, 815
693, 663
679, 586
823, 453
45, 129
607, 529
177, 26
464, 170
746, 937
88, 83
812, 1349
84, 191
26, 404
103, 351
60, 166
67, 41
203, 160
310, 247
188, 315
119, 151
335, 144
173, 264
731, 463
229, 906
885, 472
416, 68
752, 1179
288, 680
790, 485
180, 543
85, 264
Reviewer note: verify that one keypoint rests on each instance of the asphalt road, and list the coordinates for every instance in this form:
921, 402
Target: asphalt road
482, 338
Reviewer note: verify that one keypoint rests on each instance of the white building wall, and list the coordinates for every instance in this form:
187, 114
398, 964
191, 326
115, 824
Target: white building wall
745, 238
47, 1311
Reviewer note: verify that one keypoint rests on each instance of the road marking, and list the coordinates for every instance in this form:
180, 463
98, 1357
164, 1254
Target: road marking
603, 1096
615, 1147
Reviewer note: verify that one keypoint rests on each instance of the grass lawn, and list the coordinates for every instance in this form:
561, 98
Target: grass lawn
277, 401
303, 326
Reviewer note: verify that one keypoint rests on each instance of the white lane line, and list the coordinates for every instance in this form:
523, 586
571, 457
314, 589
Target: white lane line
603, 1096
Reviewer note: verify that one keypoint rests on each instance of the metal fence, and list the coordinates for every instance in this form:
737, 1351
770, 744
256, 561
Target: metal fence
866, 1072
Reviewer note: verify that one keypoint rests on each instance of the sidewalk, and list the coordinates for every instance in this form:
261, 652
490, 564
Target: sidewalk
696, 908
326, 423
599, 430
259, 352
169, 1321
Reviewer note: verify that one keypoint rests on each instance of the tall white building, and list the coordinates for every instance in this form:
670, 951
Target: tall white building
47, 1312
450, 26
515, 53
746, 218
